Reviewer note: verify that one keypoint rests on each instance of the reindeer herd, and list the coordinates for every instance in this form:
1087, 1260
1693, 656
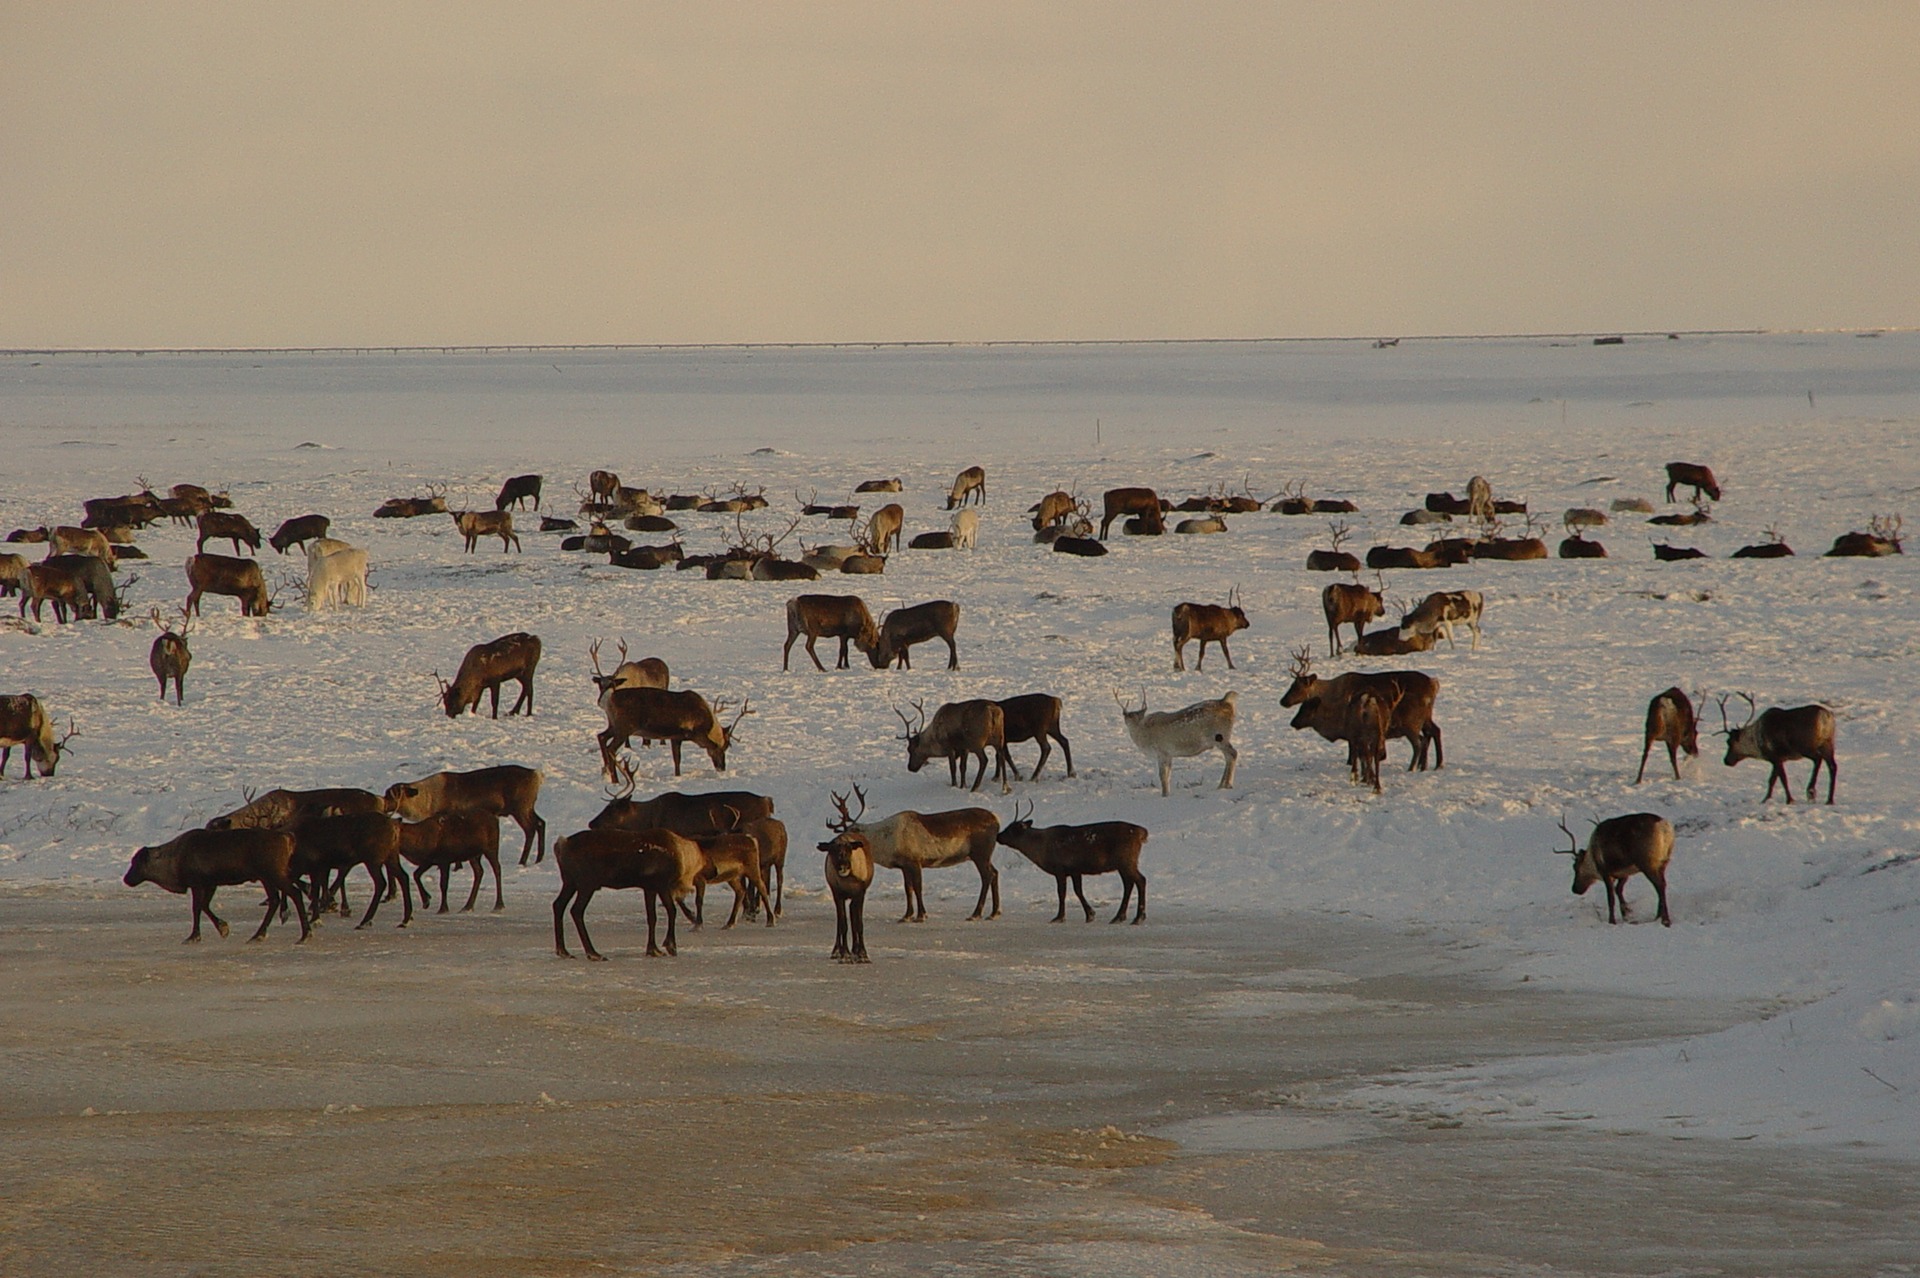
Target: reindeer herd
300, 845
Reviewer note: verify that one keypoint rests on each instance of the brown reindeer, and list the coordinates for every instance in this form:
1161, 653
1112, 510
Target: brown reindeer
169, 658
79, 586
1379, 557
1142, 504
1335, 560
693, 815
1075, 851
226, 575
883, 528
488, 665
434, 503
1670, 721
504, 790
449, 840
913, 842
475, 524
957, 730
1780, 737
663, 865
1619, 848
201, 862
648, 672
1055, 508
516, 491
24, 721
299, 531
1035, 717
1372, 712
1692, 475
1209, 623
220, 525
904, 627
1883, 538
657, 714
969, 485
849, 873
842, 617
1349, 605
1325, 705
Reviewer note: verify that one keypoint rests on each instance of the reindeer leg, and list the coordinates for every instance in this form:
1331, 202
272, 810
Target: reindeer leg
839, 953
1833, 778
953, 653
1229, 653
816, 656
1659, 881
579, 913
379, 876
1233, 761
1060, 883
1079, 892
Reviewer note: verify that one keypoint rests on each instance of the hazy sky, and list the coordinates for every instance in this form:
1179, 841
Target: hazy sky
207, 174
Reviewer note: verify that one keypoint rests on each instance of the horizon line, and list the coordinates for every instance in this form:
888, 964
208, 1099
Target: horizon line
470, 348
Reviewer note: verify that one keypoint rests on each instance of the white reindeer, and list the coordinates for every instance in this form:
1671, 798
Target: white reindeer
1181, 734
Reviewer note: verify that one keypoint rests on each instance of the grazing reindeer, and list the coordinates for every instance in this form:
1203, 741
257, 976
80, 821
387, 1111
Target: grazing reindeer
1180, 734
965, 529
1138, 504
959, 729
1694, 476
1480, 499
1670, 720
1035, 717
657, 714
1440, 611
1619, 848
842, 617
226, 575
1781, 736
169, 657
25, 722
1055, 508
849, 873
488, 665
1345, 605
220, 525
336, 575
76, 585
904, 627
504, 790
298, 531
913, 842
1335, 560
1074, 851
516, 491
1325, 705
1209, 623
884, 528
969, 484
475, 524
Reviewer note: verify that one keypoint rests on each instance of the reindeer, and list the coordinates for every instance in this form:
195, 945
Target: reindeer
516, 491
904, 627
1075, 851
1035, 717
1142, 504
849, 873
1780, 737
1692, 475
969, 484
694, 815
1335, 560
67, 540
1511, 549
1349, 605
648, 672
1480, 499
1293, 499
1201, 527
227, 575
1055, 508
1774, 547
24, 721
657, 714
506, 789
13, 575
1372, 719
603, 484
957, 730
966, 529
298, 531
1181, 734
883, 527
1209, 623
434, 503
1671, 554
1389, 641
662, 864
1619, 848
878, 486
1670, 720
449, 840
913, 842
169, 657
1883, 539
485, 667
1379, 557
1325, 705
201, 862
842, 617
1578, 547
475, 524
1440, 611
220, 525
336, 575
76, 585
1690, 519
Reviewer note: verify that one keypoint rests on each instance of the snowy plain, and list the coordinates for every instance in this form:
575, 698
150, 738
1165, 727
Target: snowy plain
1806, 911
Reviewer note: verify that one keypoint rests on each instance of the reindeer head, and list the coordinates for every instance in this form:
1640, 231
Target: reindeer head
915, 736
1743, 737
1306, 684
46, 751
720, 739
1018, 826
1586, 869
848, 820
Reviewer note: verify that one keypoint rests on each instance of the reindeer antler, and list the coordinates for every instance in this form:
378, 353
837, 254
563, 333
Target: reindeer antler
1302, 661
847, 819
593, 651
1575, 849
625, 768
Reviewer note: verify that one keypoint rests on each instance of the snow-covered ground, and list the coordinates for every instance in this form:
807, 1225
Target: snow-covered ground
1806, 910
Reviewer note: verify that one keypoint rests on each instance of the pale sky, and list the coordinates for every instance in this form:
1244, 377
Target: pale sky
216, 174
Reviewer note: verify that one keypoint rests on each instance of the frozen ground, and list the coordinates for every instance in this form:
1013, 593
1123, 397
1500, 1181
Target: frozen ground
1805, 913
